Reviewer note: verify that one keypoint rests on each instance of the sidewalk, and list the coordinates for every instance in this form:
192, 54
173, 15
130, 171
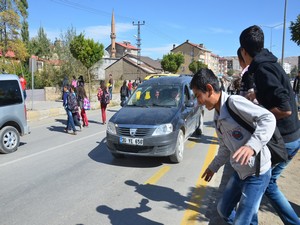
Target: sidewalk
289, 181
38, 110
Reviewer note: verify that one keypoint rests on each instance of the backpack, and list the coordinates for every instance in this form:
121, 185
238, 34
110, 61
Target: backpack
72, 102
99, 94
276, 144
105, 98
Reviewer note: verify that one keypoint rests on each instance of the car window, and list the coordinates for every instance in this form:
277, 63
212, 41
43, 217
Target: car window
10, 93
156, 95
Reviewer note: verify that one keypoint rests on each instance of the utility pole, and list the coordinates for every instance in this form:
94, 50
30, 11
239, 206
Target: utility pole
138, 43
284, 21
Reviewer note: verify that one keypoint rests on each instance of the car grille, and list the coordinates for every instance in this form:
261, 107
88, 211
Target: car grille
133, 148
140, 132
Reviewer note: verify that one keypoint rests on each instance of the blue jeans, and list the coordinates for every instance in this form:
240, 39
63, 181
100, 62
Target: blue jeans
247, 194
277, 199
70, 122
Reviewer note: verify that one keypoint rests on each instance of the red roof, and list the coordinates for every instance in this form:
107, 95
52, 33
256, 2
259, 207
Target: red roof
127, 45
9, 54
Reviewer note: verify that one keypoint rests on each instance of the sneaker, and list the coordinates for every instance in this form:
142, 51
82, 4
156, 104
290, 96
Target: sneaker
74, 133
80, 127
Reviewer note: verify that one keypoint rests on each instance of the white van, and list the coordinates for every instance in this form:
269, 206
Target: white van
13, 115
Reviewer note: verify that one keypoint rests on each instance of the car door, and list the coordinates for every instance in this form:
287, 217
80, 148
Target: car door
189, 111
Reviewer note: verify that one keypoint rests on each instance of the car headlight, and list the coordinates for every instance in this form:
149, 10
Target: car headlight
163, 129
111, 128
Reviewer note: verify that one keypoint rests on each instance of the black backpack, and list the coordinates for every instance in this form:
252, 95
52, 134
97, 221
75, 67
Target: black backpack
105, 98
72, 102
123, 91
276, 144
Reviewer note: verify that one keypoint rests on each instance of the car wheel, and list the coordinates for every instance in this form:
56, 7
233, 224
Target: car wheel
199, 127
178, 155
10, 139
117, 155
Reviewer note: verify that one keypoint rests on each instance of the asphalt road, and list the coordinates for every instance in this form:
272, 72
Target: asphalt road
58, 178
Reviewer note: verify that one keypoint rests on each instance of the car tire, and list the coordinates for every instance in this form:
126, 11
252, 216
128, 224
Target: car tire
177, 157
117, 155
10, 139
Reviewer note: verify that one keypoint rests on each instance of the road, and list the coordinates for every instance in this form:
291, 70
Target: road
58, 178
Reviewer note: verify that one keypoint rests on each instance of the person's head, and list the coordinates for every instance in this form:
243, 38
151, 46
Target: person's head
74, 78
72, 89
124, 83
252, 41
66, 88
241, 59
206, 88
174, 92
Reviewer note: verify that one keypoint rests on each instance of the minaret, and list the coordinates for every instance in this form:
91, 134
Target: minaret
113, 37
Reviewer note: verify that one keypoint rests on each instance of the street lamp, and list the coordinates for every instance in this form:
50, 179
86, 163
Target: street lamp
271, 28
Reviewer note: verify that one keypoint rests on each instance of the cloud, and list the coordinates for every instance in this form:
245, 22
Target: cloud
216, 30
157, 52
97, 33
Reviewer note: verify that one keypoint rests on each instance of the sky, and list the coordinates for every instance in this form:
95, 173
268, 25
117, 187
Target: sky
215, 23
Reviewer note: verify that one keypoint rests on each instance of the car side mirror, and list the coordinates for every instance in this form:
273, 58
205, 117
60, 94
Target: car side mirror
189, 103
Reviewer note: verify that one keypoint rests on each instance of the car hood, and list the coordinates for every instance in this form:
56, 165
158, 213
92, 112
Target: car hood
144, 116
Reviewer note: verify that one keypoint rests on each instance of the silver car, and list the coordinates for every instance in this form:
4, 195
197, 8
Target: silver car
13, 116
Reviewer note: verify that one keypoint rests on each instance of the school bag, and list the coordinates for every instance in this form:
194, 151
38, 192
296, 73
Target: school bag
276, 144
72, 103
86, 104
105, 98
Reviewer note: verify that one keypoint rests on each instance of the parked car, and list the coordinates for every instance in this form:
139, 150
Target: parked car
156, 120
13, 119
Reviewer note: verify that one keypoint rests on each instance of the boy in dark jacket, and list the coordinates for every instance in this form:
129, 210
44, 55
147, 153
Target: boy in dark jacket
273, 91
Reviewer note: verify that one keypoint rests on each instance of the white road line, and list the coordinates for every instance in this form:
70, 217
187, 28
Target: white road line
50, 149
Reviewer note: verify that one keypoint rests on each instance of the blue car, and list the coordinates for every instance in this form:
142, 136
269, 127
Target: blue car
156, 120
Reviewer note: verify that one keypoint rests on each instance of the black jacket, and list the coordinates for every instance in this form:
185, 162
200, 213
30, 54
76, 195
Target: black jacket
273, 89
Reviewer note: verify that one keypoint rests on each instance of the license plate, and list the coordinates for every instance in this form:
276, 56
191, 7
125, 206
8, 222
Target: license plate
131, 141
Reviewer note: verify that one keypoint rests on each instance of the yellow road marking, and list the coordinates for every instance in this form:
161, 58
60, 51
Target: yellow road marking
158, 175
191, 144
191, 213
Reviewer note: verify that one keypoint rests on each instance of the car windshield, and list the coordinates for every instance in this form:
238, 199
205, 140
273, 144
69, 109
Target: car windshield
156, 95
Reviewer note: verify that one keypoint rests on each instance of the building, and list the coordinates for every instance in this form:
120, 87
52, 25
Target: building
121, 49
192, 52
129, 67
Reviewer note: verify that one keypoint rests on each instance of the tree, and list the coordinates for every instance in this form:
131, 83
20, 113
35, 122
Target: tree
40, 45
295, 30
11, 11
87, 52
172, 62
195, 66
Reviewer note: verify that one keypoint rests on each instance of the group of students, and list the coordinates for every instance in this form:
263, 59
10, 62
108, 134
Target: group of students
264, 82
75, 102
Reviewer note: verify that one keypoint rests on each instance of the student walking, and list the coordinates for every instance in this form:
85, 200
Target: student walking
241, 198
81, 97
296, 89
104, 99
66, 104
273, 91
124, 93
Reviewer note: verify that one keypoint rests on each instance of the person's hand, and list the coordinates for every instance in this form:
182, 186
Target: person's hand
251, 96
207, 175
243, 155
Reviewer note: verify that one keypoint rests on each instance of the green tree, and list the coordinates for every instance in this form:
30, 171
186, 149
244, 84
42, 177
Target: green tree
195, 66
295, 30
40, 45
172, 62
11, 12
230, 72
87, 52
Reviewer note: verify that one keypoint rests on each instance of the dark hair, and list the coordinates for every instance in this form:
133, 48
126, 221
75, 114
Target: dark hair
239, 54
252, 40
203, 77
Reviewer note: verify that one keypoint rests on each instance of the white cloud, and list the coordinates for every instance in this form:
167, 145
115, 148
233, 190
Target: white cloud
216, 30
